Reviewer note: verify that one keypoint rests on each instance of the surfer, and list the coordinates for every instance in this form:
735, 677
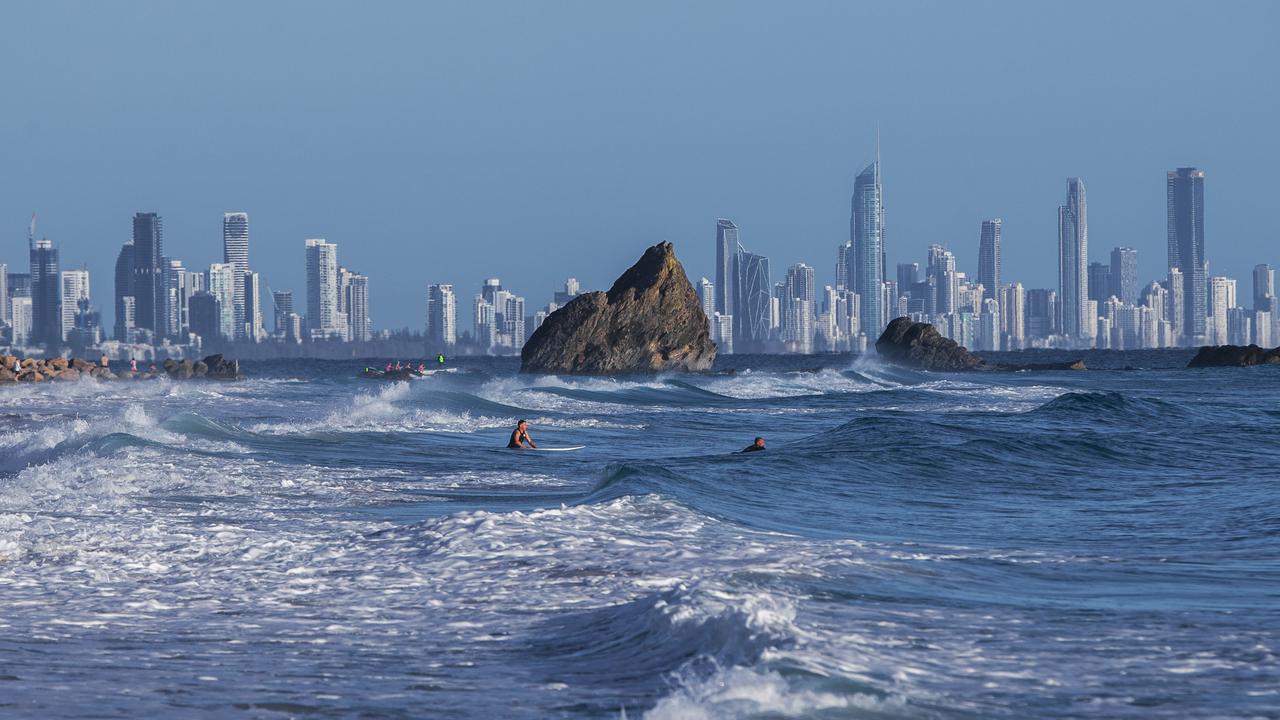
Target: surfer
519, 436
440, 358
756, 446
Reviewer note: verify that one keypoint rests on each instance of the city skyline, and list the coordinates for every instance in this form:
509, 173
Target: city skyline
428, 167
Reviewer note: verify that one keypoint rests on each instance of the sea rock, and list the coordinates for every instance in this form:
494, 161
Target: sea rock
1234, 356
82, 365
920, 345
219, 368
649, 321
58, 363
6, 375
200, 369
68, 374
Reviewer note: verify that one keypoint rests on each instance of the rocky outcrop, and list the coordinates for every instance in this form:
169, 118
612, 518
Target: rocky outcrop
1234, 356
649, 321
60, 368
920, 345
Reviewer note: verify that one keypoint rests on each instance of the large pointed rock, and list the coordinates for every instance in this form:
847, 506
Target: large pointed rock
649, 321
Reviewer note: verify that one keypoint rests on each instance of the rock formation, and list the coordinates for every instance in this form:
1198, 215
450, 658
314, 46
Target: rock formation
59, 368
649, 321
920, 345
1234, 356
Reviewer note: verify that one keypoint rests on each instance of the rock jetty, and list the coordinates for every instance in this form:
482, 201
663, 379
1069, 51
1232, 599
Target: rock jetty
214, 367
920, 345
649, 321
1234, 356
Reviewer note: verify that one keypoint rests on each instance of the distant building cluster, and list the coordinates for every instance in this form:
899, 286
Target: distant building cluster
161, 304
1095, 305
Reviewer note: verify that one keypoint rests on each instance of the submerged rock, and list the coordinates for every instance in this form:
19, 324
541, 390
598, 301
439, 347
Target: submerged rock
1234, 356
649, 321
920, 345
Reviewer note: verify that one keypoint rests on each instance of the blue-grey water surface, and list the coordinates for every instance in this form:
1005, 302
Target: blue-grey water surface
911, 545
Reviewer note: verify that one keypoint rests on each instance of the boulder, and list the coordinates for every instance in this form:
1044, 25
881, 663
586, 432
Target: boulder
7, 361
59, 364
82, 365
920, 345
68, 374
649, 321
1234, 356
200, 369
219, 368
6, 375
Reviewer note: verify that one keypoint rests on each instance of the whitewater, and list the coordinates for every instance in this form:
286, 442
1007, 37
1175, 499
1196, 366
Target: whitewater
306, 543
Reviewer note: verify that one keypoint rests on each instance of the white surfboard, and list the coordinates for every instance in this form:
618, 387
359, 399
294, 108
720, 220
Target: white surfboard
561, 449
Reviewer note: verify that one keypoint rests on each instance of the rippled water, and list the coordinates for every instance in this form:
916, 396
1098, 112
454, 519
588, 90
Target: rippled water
306, 543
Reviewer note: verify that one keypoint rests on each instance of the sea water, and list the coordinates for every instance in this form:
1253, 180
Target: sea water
307, 543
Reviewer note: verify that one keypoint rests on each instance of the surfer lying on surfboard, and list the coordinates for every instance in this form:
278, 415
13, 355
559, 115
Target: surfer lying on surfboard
520, 435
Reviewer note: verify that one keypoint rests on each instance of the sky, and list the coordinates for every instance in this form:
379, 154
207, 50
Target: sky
453, 141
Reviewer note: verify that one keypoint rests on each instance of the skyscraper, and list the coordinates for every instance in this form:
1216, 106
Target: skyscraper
283, 306
253, 322
1099, 282
989, 259
5, 316
1124, 275
908, 275
148, 273
843, 253
46, 295
235, 252
1073, 261
323, 304
726, 249
798, 295
442, 317
124, 289
1221, 299
1264, 288
752, 326
75, 287
1176, 311
356, 304
707, 298
222, 286
1185, 204
866, 232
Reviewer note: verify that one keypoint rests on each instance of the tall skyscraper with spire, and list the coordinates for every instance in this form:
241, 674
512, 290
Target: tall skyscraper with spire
1184, 191
1073, 263
235, 252
989, 259
866, 234
726, 249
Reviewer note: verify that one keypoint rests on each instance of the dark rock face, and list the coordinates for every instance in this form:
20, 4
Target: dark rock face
1234, 356
219, 368
649, 321
920, 345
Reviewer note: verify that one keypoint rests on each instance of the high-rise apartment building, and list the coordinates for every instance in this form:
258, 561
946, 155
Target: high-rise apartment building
1099, 282
726, 250
442, 317
1185, 203
46, 295
843, 255
752, 327
866, 233
282, 301
124, 289
222, 286
355, 290
5, 315
323, 303
1073, 260
1264, 288
75, 287
255, 330
1124, 275
989, 258
235, 252
148, 274
21, 319
707, 298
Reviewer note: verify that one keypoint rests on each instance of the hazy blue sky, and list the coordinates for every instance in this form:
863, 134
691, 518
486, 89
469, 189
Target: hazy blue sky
446, 142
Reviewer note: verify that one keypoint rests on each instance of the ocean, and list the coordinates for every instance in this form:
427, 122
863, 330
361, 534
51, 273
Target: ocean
306, 543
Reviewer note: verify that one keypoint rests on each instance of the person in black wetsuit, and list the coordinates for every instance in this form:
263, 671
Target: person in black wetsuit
519, 436
756, 446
